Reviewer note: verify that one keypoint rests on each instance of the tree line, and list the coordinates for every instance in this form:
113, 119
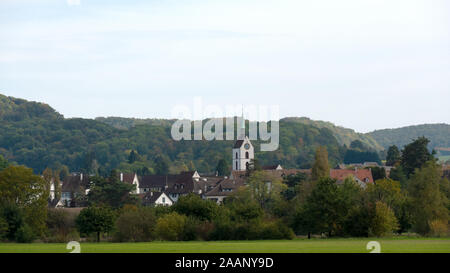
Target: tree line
268, 207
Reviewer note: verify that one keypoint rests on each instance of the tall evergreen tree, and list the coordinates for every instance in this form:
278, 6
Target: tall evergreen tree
393, 155
415, 155
321, 168
133, 157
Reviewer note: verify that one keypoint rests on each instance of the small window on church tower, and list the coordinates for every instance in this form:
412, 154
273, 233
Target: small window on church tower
246, 155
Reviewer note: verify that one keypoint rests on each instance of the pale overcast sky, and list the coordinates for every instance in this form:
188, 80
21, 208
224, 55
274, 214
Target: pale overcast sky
361, 64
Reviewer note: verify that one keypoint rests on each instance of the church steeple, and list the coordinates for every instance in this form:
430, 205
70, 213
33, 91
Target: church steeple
243, 151
241, 134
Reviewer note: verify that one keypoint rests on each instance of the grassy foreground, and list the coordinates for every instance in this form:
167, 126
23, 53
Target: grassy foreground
397, 245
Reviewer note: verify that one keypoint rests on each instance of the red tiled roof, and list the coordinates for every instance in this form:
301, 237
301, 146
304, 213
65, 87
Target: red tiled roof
365, 175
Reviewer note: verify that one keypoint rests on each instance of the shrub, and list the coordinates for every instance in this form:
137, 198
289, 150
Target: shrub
170, 227
136, 225
25, 234
3, 228
60, 224
439, 228
205, 230
276, 231
190, 231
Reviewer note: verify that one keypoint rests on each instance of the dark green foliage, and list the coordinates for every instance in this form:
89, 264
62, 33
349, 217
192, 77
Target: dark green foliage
192, 205
399, 175
111, 192
13, 216
415, 155
133, 157
223, 169
95, 220
355, 156
358, 145
25, 234
136, 225
393, 156
322, 206
292, 182
161, 166
378, 173
4, 228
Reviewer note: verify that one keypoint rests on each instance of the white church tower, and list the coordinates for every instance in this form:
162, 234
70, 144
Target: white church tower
243, 151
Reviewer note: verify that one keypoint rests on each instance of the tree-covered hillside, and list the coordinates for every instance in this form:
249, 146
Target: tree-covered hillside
35, 135
344, 136
438, 134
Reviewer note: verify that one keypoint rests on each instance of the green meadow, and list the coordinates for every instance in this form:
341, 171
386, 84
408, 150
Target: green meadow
388, 245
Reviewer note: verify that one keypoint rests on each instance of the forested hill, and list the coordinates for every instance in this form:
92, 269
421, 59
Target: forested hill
343, 135
37, 136
438, 134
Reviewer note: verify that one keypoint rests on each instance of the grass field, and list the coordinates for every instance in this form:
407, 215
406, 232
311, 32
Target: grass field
397, 245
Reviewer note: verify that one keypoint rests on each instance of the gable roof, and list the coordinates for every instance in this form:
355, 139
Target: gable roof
151, 197
226, 187
75, 183
128, 177
155, 181
238, 144
364, 175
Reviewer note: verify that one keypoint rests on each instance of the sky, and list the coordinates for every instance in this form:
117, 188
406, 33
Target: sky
360, 64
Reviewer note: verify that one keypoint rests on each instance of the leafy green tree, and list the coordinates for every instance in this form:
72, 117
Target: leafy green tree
428, 203
111, 192
264, 187
384, 221
321, 168
393, 156
223, 168
415, 155
389, 192
29, 192
136, 225
170, 227
322, 207
193, 205
14, 218
95, 220
242, 208
293, 183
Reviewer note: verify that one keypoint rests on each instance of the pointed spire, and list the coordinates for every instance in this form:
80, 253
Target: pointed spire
243, 120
